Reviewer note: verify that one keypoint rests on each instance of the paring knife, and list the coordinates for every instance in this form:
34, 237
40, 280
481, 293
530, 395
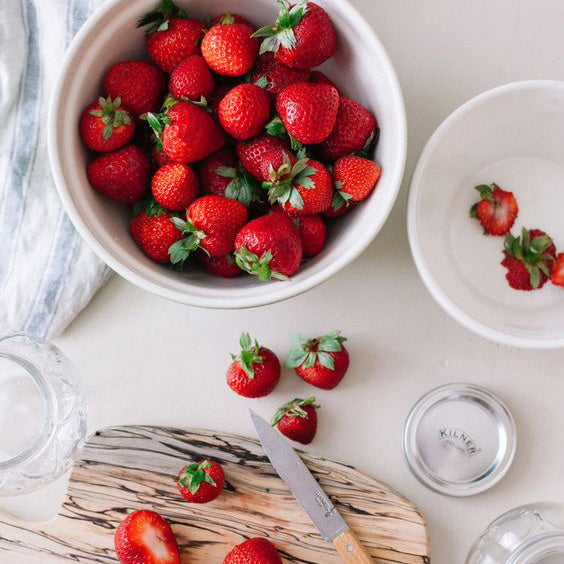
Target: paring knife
309, 494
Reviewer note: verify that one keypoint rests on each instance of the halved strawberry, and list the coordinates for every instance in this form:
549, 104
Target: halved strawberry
497, 209
557, 275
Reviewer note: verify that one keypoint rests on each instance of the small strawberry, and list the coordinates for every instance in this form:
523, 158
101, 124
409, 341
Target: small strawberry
269, 247
230, 18
244, 111
529, 259
122, 175
338, 207
145, 537
224, 266
355, 177
308, 111
557, 275
105, 126
302, 37
212, 224
138, 84
253, 551
155, 232
318, 77
252, 153
229, 49
355, 131
274, 76
172, 36
322, 361
255, 371
159, 158
201, 482
496, 210
276, 165
191, 79
174, 186
297, 420
313, 234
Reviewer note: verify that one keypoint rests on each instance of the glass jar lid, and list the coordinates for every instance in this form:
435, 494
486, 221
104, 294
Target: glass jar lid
459, 439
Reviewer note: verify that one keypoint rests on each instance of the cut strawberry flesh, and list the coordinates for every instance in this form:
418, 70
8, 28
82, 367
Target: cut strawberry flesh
152, 536
497, 215
557, 275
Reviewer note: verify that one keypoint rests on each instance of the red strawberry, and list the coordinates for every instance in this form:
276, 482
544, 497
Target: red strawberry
269, 247
230, 18
159, 158
528, 259
229, 49
191, 79
172, 36
255, 372
174, 186
106, 126
224, 266
212, 224
318, 77
122, 175
313, 233
557, 275
322, 361
274, 76
355, 177
252, 152
302, 37
308, 111
244, 111
338, 207
276, 165
217, 97
497, 209
297, 420
201, 482
155, 233
253, 551
355, 130
139, 85
145, 537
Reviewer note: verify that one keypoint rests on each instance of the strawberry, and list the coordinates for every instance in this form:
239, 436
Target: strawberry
297, 420
224, 266
230, 18
313, 233
191, 79
218, 95
338, 207
159, 158
172, 36
138, 84
201, 482
557, 275
308, 111
318, 77
212, 224
528, 259
174, 186
252, 152
105, 125
229, 49
253, 551
186, 132
155, 233
322, 361
145, 537
302, 37
269, 247
355, 177
244, 111
255, 371
276, 164
274, 76
355, 131
496, 210
122, 175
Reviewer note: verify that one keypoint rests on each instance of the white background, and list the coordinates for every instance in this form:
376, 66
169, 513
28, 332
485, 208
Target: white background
148, 361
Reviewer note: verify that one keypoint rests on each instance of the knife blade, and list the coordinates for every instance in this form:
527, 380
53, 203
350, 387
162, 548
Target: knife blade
309, 494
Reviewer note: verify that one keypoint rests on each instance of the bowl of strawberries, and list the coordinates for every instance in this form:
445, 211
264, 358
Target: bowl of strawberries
228, 159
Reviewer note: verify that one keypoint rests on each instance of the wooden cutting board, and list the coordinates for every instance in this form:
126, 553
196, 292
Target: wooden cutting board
126, 468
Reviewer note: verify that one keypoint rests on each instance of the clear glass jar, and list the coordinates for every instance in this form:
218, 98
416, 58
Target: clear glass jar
532, 534
42, 414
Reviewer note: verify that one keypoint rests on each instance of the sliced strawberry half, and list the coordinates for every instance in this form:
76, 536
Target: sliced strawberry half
557, 275
497, 209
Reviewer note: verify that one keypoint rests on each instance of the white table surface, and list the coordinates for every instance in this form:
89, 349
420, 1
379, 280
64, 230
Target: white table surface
145, 360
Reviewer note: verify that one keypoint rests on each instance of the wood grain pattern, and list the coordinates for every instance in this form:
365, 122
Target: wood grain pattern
126, 468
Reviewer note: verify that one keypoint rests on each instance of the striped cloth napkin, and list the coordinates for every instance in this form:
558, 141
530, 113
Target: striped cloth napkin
47, 274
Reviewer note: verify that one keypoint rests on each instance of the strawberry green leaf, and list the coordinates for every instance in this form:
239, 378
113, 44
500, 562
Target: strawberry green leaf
194, 475
326, 360
294, 408
226, 171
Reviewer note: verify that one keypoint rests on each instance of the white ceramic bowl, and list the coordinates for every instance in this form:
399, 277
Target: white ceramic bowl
512, 135
361, 68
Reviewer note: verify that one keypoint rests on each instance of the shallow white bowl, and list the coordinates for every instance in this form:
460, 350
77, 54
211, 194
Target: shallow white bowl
361, 68
512, 135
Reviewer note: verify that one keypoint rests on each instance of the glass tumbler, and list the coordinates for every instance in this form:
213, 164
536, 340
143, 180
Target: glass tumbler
532, 534
42, 414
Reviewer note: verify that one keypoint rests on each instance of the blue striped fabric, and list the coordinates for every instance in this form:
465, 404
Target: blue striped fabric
47, 274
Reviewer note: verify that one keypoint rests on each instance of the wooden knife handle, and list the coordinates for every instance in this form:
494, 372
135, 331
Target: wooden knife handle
350, 549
